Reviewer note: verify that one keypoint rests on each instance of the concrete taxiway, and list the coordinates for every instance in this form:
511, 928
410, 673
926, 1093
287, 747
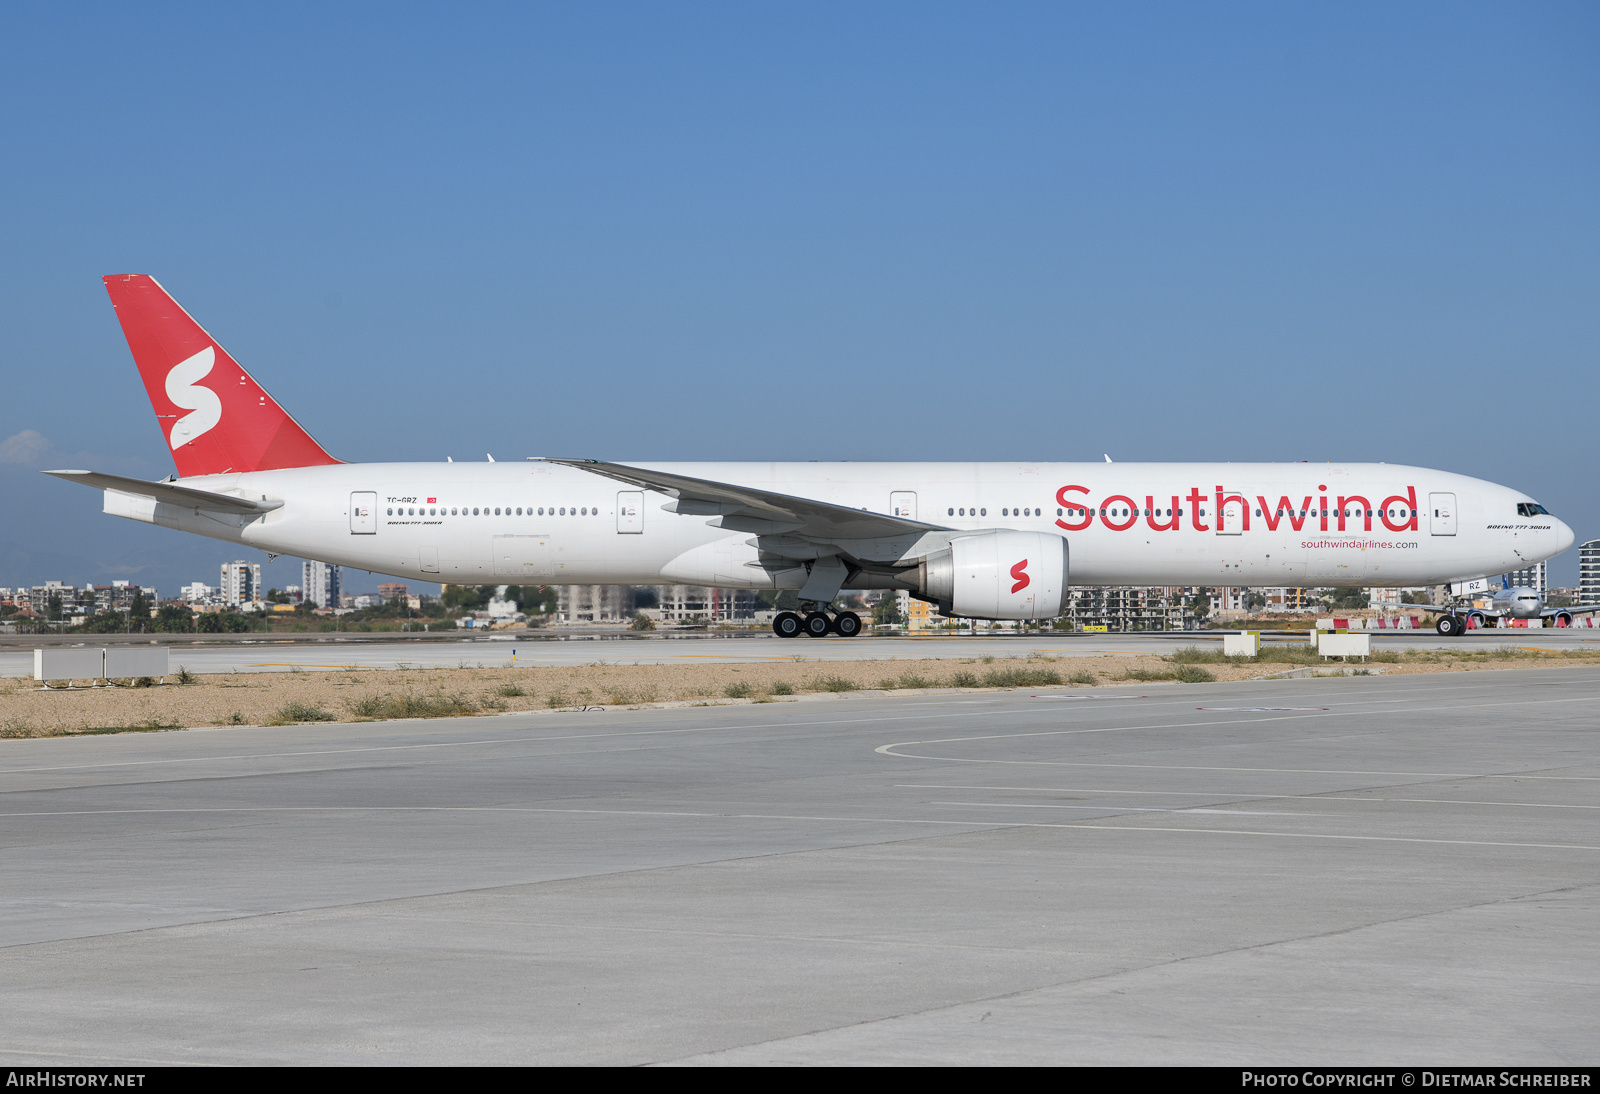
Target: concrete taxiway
1363, 870
278, 655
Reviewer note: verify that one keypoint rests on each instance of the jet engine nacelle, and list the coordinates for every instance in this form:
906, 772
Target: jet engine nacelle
997, 575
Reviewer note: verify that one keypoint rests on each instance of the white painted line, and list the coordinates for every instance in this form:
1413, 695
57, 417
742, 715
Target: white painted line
1081, 826
1140, 809
1330, 796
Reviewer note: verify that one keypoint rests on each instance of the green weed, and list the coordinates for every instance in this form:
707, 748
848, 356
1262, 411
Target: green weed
1019, 677
411, 705
300, 712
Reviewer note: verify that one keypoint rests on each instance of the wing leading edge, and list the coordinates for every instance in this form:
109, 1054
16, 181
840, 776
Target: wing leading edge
764, 512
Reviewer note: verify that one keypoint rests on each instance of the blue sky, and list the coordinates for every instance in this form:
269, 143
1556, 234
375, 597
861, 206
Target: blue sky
736, 231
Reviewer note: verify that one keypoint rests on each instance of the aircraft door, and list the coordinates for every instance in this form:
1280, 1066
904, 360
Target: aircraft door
903, 503
363, 513
630, 512
1443, 510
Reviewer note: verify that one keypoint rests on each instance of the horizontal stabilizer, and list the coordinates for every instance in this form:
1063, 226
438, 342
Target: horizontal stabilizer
172, 494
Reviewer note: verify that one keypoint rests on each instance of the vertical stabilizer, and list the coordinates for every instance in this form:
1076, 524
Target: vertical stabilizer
214, 416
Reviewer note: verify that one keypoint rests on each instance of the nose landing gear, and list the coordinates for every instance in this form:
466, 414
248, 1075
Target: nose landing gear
816, 624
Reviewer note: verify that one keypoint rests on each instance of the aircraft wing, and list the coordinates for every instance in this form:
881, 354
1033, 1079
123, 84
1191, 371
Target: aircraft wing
186, 496
1576, 609
765, 512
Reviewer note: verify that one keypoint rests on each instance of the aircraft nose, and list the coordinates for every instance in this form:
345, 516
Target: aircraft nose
1564, 536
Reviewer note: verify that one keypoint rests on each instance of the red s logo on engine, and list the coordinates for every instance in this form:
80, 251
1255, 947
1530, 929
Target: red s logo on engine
1020, 572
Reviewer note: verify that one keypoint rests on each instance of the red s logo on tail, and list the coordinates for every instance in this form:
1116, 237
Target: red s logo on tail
1019, 571
216, 418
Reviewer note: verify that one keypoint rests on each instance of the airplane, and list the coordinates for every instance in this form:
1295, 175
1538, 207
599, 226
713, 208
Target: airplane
978, 540
1508, 602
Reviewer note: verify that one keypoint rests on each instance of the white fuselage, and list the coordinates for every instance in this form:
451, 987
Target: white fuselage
561, 525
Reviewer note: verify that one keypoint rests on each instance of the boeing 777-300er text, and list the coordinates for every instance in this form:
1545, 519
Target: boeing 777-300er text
980, 540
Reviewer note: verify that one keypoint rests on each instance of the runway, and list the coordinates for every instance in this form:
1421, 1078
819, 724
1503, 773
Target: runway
554, 649
1383, 870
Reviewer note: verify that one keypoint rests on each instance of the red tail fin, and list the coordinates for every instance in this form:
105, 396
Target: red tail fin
215, 417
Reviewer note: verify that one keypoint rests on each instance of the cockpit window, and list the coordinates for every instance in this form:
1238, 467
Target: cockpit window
1531, 509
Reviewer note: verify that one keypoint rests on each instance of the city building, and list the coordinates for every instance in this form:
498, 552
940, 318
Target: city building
197, 592
684, 602
1129, 608
918, 614
1117, 608
320, 583
241, 584
675, 604
1533, 577
593, 603
1288, 599
393, 590
39, 598
1589, 572
118, 596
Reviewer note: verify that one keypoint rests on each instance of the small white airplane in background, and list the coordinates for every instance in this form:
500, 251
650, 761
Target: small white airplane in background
1508, 602
979, 540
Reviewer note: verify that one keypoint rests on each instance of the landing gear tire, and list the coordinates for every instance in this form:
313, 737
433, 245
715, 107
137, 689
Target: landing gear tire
817, 625
1449, 626
786, 625
847, 624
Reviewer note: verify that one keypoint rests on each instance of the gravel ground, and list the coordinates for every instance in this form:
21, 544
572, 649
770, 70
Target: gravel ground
28, 709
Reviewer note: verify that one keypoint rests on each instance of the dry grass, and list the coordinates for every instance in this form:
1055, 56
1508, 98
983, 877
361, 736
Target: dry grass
26, 710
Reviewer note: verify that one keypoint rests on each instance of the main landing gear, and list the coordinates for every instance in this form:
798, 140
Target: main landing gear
1451, 626
816, 624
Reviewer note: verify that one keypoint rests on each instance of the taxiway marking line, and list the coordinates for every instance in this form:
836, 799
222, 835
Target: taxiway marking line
928, 822
1139, 809
1330, 796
